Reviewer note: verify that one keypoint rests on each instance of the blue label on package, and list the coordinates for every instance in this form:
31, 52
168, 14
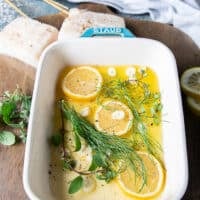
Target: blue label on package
107, 31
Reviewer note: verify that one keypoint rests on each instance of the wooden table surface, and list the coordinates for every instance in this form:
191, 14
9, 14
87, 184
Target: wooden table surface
14, 72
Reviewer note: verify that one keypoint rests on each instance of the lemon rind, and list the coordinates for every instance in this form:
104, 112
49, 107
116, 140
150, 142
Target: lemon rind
193, 106
187, 90
150, 194
129, 124
78, 96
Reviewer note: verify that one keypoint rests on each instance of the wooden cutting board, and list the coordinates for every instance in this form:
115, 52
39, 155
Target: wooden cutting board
14, 72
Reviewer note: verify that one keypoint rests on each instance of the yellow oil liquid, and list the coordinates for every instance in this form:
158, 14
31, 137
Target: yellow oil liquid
59, 179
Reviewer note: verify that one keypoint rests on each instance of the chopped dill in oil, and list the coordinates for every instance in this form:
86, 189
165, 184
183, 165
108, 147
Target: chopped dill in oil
145, 105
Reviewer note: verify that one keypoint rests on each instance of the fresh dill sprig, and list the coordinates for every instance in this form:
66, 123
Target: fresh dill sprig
111, 154
145, 105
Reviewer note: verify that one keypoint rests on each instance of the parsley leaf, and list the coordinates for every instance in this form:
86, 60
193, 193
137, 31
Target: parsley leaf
76, 185
56, 139
7, 138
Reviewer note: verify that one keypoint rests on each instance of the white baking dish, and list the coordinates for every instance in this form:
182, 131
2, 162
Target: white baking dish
105, 51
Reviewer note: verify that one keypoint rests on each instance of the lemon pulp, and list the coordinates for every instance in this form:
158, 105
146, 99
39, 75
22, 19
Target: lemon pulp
82, 83
113, 117
190, 82
131, 184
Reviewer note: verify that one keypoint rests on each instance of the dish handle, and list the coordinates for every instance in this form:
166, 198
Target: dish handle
108, 31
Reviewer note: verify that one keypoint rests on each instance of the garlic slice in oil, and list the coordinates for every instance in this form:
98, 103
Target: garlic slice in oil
89, 184
112, 71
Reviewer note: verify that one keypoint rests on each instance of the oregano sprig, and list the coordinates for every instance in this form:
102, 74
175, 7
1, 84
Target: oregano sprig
14, 113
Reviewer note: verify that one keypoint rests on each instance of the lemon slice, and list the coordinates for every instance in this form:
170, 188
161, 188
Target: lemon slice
190, 82
113, 117
82, 83
194, 105
155, 178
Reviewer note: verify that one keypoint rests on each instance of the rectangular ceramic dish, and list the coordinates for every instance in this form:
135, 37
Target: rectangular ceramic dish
105, 51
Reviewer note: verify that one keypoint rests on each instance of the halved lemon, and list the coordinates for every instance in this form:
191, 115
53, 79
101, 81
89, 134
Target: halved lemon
194, 105
154, 174
82, 83
113, 117
190, 82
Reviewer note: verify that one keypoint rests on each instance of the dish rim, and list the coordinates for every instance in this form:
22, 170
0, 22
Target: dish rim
45, 54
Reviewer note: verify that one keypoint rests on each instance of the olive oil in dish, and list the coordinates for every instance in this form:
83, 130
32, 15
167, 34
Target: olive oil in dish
110, 144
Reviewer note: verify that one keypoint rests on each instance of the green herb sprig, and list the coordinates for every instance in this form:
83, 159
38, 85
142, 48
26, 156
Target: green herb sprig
145, 105
14, 113
75, 185
111, 154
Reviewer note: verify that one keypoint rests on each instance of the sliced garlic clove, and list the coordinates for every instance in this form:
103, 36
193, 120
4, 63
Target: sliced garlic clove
85, 111
83, 158
89, 184
118, 115
112, 71
130, 72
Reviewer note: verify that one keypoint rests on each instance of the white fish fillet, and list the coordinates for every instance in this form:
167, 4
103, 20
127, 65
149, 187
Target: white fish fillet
79, 20
25, 39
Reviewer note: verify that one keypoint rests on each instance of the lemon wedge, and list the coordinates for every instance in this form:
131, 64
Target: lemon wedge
194, 105
155, 178
113, 117
82, 83
190, 82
